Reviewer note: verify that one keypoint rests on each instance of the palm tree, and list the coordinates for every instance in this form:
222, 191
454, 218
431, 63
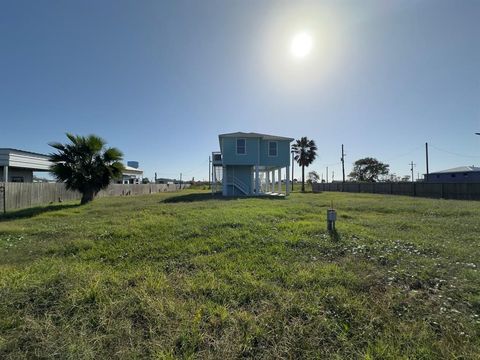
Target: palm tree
86, 165
305, 152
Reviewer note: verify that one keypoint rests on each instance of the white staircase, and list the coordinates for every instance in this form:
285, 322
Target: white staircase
239, 184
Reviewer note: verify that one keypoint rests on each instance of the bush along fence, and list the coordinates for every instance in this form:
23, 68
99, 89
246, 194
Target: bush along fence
466, 191
23, 195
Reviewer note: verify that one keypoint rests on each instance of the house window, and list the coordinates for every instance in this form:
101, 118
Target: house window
272, 148
241, 146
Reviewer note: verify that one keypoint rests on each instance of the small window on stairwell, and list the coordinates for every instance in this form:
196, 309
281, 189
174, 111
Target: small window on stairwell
272, 148
241, 146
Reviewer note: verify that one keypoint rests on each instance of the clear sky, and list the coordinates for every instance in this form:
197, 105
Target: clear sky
161, 79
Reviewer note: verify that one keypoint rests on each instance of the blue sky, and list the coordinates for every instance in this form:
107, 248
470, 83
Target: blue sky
160, 80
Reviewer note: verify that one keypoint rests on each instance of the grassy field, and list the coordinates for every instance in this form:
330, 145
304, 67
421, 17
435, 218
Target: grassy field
186, 276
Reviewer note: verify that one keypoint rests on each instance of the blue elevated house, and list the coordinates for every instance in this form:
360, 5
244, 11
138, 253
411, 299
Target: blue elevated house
250, 164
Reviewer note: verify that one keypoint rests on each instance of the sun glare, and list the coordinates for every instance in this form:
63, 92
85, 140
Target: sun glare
301, 45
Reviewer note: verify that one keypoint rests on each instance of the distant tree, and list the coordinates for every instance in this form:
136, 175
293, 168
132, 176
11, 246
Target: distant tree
392, 178
313, 177
86, 165
368, 170
406, 178
305, 153
145, 180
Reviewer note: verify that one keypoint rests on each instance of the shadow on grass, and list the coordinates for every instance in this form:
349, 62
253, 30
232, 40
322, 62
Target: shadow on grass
208, 196
34, 211
335, 235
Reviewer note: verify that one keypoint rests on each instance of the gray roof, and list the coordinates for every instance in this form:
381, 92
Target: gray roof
459, 169
129, 169
22, 151
255, 135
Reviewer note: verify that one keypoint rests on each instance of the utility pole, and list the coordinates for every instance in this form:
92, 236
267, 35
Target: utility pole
426, 156
180, 181
411, 169
333, 175
327, 174
343, 165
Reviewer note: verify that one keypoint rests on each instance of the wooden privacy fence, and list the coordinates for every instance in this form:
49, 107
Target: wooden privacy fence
467, 191
23, 195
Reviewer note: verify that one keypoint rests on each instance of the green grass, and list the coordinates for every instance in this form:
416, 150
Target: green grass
186, 276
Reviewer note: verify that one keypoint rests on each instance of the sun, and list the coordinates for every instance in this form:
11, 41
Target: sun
301, 45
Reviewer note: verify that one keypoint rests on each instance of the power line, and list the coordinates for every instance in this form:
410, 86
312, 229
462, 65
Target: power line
454, 153
333, 164
404, 154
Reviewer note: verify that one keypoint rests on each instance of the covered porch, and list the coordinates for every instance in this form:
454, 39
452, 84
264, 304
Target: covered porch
251, 180
273, 181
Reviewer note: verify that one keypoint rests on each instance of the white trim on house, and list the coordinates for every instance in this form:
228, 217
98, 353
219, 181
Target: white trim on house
24, 159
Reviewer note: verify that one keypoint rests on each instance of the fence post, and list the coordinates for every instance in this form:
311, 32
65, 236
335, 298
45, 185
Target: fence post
414, 189
4, 197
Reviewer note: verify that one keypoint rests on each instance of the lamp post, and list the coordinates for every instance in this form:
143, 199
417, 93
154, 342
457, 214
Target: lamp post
293, 158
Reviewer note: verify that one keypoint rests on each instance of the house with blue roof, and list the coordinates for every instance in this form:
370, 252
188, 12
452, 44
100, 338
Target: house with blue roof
250, 164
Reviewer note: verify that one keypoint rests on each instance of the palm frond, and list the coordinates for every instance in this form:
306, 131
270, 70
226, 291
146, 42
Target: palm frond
112, 154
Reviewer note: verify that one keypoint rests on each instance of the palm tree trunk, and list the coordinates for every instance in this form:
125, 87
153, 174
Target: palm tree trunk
303, 178
87, 196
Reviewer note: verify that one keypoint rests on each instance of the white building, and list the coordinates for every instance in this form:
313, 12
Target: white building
19, 165
131, 174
